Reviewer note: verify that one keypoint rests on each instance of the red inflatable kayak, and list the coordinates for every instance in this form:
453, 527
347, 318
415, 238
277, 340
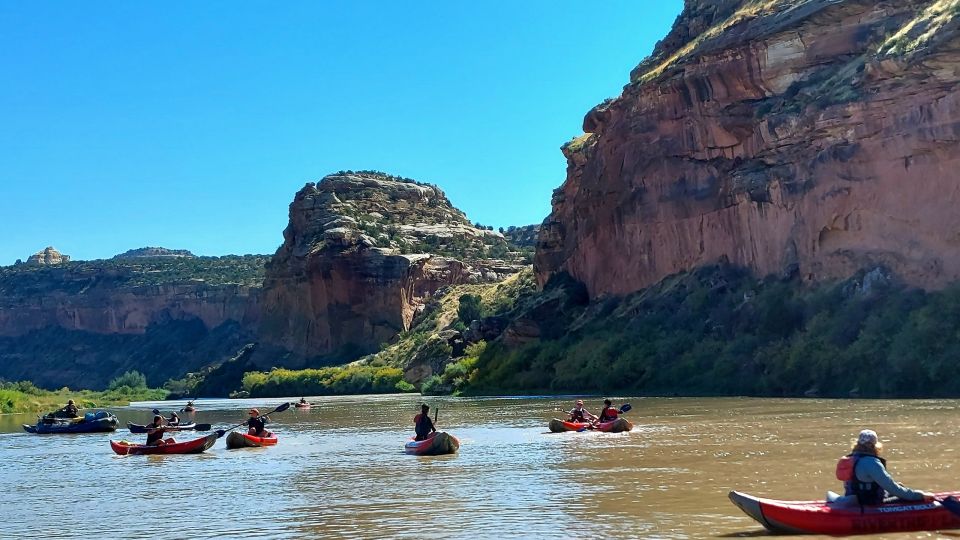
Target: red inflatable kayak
189, 447
436, 444
819, 517
615, 426
558, 426
242, 440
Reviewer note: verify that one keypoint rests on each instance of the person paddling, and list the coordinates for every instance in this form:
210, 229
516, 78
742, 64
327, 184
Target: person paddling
68, 411
303, 401
423, 424
579, 414
865, 478
174, 419
257, 424
155, 432
608, 413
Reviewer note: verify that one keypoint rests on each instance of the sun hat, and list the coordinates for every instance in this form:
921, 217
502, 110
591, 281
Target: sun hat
254, 412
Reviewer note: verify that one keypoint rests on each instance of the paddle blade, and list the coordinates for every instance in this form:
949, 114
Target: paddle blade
951, 504
202, 427
626, 407
220, 433
156, 411
282, 408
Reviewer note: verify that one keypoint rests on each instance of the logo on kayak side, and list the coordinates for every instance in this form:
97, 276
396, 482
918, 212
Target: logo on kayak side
888, 509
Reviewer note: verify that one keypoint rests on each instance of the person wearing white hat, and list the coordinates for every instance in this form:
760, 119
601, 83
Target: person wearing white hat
579, 414
865, 478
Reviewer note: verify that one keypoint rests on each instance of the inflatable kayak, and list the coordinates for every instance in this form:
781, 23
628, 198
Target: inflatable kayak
242, 440
558, 426
615, 426
137, 428
195, 446
99, 422
302, 405
820, 517
436, 444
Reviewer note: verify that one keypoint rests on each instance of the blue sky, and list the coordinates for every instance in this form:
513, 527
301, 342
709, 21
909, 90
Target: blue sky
191, 125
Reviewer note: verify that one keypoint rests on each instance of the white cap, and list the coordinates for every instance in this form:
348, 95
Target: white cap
867, 436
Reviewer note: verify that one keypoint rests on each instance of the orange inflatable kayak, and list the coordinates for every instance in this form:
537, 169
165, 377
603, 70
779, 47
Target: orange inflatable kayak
242, 440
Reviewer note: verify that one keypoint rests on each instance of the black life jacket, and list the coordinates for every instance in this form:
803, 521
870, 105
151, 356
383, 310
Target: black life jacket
424, 425
868, 493
576, 415
152, 438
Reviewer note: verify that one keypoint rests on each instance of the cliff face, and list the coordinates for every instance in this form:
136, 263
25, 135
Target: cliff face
47, 256
80, 324
786, 136
362, 253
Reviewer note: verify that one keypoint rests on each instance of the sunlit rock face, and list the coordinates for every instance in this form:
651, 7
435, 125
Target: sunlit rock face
791, 137
361, 255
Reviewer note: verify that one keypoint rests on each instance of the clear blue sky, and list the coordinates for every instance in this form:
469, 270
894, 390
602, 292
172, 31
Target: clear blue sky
190, 125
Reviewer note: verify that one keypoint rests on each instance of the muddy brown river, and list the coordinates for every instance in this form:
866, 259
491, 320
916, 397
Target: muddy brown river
339, 470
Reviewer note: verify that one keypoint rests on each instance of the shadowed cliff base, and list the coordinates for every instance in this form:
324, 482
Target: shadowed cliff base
721, 331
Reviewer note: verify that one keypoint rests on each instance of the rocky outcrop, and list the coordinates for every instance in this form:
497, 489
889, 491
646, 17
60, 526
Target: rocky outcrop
361, 255
146, 252
83, 323
806, 138
47, 256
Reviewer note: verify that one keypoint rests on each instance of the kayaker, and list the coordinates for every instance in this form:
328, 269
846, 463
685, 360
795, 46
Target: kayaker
155, 432
865, 477
303, 401
257, 424
579, 414
68, 411
608, 413
174, 419
423, 424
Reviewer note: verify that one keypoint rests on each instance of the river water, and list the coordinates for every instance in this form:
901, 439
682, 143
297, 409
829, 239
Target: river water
339, 470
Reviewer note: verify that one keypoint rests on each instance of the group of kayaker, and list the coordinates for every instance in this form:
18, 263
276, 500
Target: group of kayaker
256, 426
607, 414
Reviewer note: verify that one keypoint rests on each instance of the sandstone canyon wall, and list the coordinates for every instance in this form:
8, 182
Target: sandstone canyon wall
360, 256
81, 323
786, 136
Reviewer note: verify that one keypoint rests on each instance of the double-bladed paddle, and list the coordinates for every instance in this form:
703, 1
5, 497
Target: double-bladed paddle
281, 408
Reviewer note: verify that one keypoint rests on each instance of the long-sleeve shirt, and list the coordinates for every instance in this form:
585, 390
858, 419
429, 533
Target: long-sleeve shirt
869, 469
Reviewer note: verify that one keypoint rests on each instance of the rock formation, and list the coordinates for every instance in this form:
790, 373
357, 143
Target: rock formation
808, 138
47, 256
81, 324
361, 254
146, 252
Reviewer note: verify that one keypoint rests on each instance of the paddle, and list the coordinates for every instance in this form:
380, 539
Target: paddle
950, 503
281, 408
623, 408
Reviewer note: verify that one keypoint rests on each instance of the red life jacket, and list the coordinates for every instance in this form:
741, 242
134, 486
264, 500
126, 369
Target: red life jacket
609, 414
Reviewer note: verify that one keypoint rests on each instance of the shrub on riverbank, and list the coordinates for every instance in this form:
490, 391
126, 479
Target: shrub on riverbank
720, 331
350, 379
24, 397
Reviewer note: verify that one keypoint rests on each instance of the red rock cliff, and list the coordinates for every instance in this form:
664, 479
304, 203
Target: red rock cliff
815, 136
362, 253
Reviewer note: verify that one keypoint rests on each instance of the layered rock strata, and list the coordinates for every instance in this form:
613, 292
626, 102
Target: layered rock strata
808, 137
361, 255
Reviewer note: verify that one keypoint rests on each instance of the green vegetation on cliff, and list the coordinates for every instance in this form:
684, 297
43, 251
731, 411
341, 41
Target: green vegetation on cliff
74, 277
719, 331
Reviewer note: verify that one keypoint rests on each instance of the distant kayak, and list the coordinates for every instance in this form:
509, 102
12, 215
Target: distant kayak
195, 446
137, 428
436, 444
99, 422
189, 408
818, 517
615, 426
242, 440
302, 405
559, 426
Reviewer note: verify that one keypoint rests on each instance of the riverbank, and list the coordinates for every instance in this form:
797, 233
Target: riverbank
24, 397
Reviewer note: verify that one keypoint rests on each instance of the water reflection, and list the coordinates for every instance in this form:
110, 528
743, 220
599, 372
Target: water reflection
339, 470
